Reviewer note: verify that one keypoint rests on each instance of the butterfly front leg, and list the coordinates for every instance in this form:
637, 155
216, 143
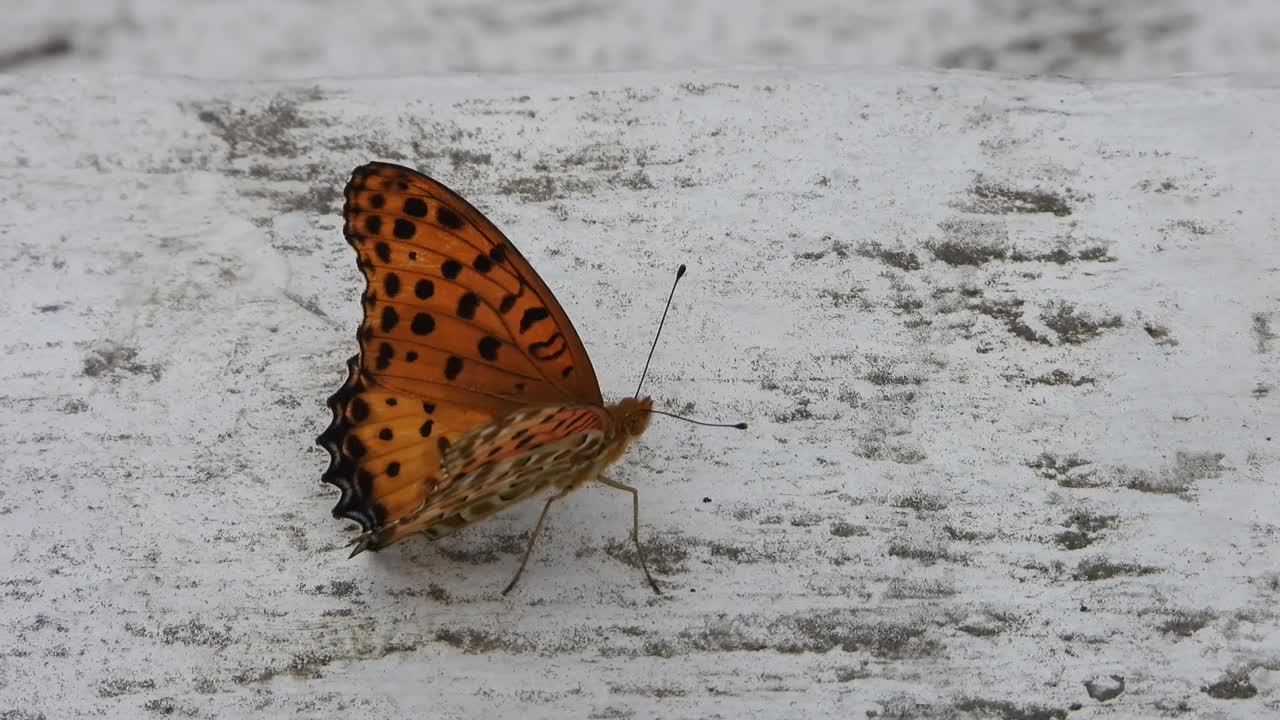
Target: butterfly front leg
635, 526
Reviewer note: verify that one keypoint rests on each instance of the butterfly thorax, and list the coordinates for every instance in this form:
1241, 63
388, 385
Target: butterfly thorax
628, 421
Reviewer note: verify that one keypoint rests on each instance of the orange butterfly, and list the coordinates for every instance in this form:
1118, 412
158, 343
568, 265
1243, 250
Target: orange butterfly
471, 391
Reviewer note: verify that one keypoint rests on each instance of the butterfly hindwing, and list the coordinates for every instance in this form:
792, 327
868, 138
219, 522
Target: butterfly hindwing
503, 462
386, 449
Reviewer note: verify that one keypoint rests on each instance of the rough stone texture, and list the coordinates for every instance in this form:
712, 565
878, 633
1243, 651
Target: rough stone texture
1008, 347
311, 38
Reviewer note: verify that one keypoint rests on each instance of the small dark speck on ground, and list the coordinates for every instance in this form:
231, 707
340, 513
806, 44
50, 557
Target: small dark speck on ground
485, 551
1234, 685
901, 259
1072, 327
336, 588
1061, 377
1160, 334
477, 641
108, 358
664, 557
1063, 255
1104, 689
1157, 186
469, 157
823, 632
978, 708
542, 188
996, 199
47, 49
1191, 227
116, 688
1051, 467
1010, 313
1100, 568
965, 252
920, 502
1185, 623
1262, 332
1089, 522
914, 551
652, 691
161, 706
734, 553
1073, 540
840, 249
194, 633
267, 131
903, 589
844, 530
1083, 529
1178, 479
806, 520
961, 535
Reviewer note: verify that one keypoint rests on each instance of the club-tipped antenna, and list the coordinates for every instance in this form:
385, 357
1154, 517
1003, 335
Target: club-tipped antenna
679, 274
739, 425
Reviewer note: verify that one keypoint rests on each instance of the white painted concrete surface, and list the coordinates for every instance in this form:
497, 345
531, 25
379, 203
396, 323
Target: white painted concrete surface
314, 38
1008, 347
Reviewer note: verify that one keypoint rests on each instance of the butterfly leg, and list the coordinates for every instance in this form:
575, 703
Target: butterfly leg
533, 539
635, 526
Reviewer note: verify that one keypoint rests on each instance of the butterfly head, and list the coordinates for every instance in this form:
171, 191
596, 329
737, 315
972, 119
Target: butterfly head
631, 416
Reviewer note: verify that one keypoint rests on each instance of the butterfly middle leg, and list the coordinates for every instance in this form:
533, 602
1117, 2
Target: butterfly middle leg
533, 538
635, 527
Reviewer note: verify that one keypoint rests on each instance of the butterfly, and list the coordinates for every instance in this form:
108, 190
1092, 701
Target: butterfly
471, 391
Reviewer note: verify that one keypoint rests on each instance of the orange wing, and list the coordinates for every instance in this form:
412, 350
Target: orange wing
500, 463
458, 330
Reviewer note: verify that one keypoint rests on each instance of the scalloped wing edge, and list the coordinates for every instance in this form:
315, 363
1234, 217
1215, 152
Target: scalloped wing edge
341, 472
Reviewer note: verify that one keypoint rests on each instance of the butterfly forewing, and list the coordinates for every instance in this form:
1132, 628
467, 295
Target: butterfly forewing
451, 302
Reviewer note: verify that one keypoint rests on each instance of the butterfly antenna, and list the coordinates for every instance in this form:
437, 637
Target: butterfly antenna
679, 274
739, 426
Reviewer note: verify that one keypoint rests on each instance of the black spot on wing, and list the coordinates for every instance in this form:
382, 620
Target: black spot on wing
423, 324
452, 367
467, 305
547, 349
404, 229
448, 218
533, 316
415, 207
390, 318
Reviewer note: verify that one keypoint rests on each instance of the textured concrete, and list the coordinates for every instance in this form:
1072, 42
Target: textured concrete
312, 38
1008, 347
